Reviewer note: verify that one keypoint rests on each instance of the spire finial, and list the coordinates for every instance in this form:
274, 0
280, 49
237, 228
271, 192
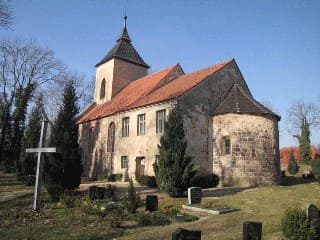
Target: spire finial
125, 21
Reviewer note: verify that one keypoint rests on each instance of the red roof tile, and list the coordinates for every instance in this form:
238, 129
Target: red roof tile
131, 93
160, 86
180, 85
286, 151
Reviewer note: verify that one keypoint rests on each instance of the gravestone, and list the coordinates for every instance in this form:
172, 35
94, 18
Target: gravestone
194, 195
151, 203
313, 213
252, 230
96, 192
184, 234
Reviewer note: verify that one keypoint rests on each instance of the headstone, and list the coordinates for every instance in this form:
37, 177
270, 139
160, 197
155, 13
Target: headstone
194, 195
184, 234
252, 230
151, 203
39, 173
313, 213
96, 192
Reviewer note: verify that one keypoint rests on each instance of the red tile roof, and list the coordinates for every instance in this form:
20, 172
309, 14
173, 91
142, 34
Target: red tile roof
160, 86
130, 94
286, 151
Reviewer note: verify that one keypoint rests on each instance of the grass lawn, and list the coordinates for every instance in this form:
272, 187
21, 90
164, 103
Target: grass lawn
265, 204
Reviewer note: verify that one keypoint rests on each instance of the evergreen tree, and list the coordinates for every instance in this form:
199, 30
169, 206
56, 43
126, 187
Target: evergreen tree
304, 140
292, 166
173, 170
132, 204
315, 164
28, 162
63, 170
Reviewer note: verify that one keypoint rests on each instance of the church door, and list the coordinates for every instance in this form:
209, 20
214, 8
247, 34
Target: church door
140, 164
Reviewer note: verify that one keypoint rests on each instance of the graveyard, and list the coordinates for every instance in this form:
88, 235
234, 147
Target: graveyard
67, 220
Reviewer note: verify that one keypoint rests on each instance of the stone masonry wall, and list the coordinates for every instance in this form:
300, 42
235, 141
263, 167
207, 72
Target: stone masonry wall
197, 106
254, 158
99, 160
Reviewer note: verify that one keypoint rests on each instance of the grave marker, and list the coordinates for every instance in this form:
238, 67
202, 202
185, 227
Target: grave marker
313, 213
194, 195
184, 234
39, 173
252, 230
151, 203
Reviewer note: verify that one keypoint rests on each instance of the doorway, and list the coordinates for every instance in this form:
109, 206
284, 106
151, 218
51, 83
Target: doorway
140, 165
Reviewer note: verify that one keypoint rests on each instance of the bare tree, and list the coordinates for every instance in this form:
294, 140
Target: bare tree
301, 116
6, 18
53, 100
23, 68
300, 113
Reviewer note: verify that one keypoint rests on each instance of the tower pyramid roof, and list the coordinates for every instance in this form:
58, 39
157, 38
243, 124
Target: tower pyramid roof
124, 50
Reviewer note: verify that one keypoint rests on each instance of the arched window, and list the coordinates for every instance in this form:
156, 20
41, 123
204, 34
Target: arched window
103, 89
111, 134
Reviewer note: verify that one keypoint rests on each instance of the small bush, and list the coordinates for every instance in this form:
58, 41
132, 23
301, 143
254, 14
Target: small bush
295, 225
149, 181
206, 181
102, 177
315, 164
292, 166
190, 218
69, 200
114, 177
155, 218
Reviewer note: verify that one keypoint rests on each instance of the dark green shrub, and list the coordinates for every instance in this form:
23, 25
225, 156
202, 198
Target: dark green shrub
155, 218
315, 164
174, 168
149, 181
206, 181
295, 225
69, 200
190, 218
102, 177
114, 177
132, 203
292, 166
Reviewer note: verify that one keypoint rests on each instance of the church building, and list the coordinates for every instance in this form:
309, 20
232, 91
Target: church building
228, 132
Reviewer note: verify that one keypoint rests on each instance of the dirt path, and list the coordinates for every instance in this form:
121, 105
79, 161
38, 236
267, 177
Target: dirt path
11, 188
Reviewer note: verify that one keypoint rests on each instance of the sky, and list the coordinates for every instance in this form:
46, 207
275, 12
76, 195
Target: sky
274, 42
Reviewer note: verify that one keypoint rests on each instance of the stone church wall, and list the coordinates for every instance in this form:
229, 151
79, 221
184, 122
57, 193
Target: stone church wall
132, 146
254, 153
197, 106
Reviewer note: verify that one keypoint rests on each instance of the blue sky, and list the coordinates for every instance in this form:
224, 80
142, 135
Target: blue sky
275, 42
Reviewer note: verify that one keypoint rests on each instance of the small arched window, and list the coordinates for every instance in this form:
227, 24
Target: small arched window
111, 135
103, 89
226, 145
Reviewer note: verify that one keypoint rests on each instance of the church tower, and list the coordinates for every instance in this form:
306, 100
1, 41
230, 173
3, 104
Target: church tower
120, 66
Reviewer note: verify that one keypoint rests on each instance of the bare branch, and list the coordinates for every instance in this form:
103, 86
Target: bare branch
300, 113
6, 18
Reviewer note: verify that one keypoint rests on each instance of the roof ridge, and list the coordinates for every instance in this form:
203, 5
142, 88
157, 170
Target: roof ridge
211, 66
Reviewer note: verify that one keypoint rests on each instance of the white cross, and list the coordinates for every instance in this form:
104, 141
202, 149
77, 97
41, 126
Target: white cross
41, 149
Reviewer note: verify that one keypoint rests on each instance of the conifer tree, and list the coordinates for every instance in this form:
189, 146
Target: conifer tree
305, 152
174, 169
292, 166
28, 162
63, 170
